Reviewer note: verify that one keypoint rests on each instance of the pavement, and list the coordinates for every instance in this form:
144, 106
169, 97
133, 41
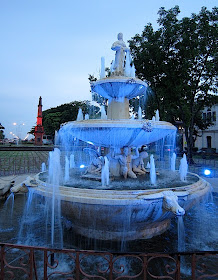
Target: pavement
213, 182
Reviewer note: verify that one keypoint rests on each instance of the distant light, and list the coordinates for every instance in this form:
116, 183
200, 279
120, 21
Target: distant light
207, 172
89, 142
168, 150
82, 166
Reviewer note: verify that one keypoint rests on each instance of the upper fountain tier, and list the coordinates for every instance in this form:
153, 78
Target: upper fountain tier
122, 83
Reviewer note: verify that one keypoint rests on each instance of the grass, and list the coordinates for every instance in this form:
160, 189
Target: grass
18, 162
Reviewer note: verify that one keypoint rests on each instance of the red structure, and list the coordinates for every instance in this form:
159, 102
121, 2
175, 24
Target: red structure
39, 130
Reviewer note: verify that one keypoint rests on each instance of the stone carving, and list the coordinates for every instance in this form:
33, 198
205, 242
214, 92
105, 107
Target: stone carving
170, 203
120, 48
125, 161
138, 163
147, 126
21, 188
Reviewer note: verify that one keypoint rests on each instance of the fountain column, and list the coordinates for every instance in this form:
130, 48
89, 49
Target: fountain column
118, 110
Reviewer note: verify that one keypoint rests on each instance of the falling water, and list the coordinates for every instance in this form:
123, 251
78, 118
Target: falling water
67, 170
173, 162
9, 208
54, 181
181, 234
43, 167
80, 115
103, 113
183, 168
152, 171
140, 113
153, 118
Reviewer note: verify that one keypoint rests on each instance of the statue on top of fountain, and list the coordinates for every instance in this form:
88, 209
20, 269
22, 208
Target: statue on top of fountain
120, 48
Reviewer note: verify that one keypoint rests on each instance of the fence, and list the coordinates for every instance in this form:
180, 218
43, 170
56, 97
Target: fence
25, 262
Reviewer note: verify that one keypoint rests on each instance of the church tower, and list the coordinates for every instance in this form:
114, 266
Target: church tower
39, 130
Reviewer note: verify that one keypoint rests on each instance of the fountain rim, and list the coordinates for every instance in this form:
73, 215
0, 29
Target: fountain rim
122, 123
121, 197
119, 79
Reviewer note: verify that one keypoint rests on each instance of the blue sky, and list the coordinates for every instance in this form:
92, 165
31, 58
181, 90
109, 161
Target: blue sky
49, 47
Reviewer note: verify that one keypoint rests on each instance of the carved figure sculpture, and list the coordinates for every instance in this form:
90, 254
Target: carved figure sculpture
120, 48
21, 188
95, 166
125, 161
170, 203
138, 163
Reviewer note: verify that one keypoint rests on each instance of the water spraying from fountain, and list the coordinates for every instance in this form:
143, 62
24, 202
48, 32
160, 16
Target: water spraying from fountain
67, 170
157, 117
183, 168
105, 172
152, 171
43, 167
80, 115
140, 113
72, 161
86, 116
173, 162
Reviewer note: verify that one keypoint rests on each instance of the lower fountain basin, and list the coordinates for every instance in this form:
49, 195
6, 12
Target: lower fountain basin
121, 215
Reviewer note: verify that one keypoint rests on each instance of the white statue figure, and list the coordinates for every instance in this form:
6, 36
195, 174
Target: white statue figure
95, 166
138, 163
120, 48
125, 161
170, 203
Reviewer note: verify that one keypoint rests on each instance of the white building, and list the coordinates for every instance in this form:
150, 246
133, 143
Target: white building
209, 138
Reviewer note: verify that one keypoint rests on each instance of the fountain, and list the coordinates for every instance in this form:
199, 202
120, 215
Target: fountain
107, 193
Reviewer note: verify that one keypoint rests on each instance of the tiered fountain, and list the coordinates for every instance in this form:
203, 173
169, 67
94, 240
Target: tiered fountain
125, 206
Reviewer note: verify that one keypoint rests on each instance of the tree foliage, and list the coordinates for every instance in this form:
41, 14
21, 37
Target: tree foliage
179, 62
54, 117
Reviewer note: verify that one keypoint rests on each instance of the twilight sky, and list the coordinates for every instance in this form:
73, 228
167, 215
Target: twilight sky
49, 47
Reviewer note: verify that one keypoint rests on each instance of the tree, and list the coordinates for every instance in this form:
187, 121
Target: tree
54, 117
179, 62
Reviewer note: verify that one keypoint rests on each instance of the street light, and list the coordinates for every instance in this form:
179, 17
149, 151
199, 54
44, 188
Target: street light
18, 129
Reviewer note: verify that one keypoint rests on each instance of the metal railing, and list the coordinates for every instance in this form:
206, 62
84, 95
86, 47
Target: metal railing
25, 262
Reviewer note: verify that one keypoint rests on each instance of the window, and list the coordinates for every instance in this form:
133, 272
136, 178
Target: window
209, 142
214, 116
209, 116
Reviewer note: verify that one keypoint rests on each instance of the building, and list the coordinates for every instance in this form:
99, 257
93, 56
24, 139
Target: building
209, 137
39, 130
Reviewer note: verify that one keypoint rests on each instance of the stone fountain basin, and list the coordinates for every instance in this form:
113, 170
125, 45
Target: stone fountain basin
121, 215
131, 132
118, 87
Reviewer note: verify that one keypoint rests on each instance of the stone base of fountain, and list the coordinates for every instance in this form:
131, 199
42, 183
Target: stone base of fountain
125, 214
